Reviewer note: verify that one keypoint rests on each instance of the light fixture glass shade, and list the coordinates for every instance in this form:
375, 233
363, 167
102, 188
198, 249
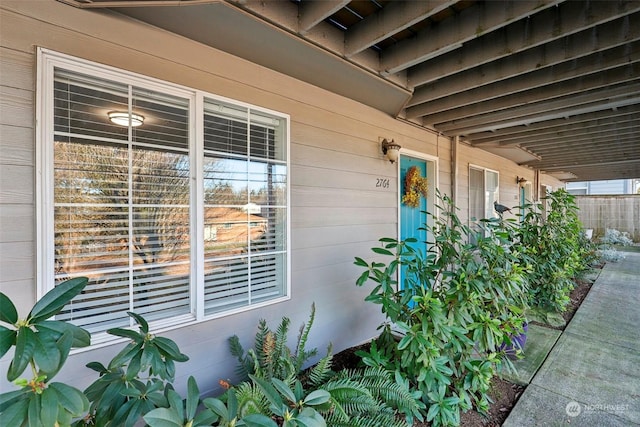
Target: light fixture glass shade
122, 118
391, 150
392, 154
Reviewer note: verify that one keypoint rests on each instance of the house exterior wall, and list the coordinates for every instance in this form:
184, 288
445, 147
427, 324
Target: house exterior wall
508, 171
605, 187
337, 212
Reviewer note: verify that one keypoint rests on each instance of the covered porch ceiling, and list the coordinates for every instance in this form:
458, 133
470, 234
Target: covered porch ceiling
550, 84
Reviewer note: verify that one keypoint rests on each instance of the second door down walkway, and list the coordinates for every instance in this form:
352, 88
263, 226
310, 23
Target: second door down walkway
592, 375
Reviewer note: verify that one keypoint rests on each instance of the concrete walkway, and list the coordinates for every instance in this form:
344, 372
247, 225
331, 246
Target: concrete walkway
592, 375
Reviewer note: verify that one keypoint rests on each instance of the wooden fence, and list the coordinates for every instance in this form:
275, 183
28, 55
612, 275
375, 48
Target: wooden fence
621, 212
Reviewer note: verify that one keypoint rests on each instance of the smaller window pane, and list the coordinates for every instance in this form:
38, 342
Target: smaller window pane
166, 119
82, 102
225, 128
225, 181
226, 285
161, 292
267, 136
268, 183
268, 234
160, 177
228, 231
267, 277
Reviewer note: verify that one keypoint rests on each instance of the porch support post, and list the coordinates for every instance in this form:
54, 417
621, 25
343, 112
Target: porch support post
454, 169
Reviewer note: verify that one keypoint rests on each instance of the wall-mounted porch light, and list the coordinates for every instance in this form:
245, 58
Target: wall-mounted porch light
391, 150
123, 118
521, 181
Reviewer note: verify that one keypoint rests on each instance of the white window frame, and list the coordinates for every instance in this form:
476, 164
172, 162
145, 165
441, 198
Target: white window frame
488, 209
47, 61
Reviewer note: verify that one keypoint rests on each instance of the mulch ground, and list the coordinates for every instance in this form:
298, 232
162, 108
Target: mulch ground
503, 393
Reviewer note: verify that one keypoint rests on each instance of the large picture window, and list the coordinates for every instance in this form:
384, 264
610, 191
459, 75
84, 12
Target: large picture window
177, 212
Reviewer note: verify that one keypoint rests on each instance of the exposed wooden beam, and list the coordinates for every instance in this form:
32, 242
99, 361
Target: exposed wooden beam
395, 17
579, 135
598, 100
469, 24
599, 146
511, 136
575, 160
314, 12
526, 94
518, 74
566, 23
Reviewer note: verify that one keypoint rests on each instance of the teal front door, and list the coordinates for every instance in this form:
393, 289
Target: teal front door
412, 219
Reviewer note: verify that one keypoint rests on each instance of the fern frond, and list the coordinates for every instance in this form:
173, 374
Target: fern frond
301, 354
251, 399
321, 372
261, 336
345, 389
383, 386
279, 350
244, 363
370, 420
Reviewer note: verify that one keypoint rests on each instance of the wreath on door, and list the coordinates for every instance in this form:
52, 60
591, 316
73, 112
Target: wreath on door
415, 185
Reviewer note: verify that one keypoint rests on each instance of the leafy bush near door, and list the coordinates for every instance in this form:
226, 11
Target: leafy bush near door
458, 303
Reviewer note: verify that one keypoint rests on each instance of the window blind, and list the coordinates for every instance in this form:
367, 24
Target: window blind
121, 199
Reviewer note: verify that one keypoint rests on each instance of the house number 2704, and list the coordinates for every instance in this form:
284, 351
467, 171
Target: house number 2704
382, 182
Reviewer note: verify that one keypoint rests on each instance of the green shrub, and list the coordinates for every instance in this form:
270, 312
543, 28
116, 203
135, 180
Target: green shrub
43, 346
458, 303
555, 249
136, 381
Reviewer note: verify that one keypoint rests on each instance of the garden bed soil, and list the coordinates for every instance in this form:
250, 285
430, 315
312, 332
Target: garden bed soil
503, 393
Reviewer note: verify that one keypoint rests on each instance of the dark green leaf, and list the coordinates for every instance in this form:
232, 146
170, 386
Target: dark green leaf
163, 417
54, 300
144, 326
64, 347
71, 399
134, 413
7, 339
25, 347
125, 355
134, 366
11, 397
284, 389
382, 251
8, 312
361, 262
170, 348
193, 398
97, 366
205, 418
33, 414
317, 397
127, 333
81, 337
217, 407
49, 407
16, 414
45, 354
269, 391
363, 278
